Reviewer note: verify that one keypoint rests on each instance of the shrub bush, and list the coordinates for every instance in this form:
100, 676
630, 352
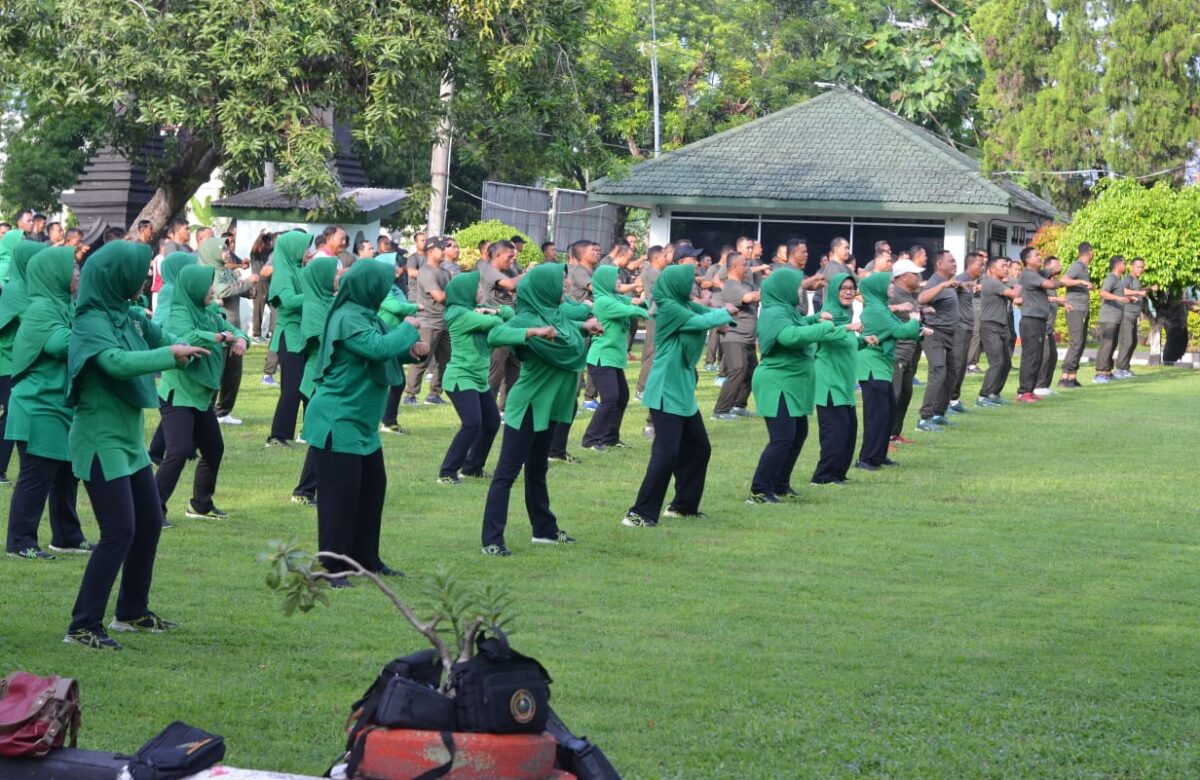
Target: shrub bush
492, 230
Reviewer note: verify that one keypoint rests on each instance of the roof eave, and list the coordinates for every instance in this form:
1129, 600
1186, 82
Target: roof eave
761, 205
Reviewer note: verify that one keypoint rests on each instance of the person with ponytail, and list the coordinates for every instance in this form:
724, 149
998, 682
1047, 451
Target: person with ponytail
876, 364
318, 282
287, 299
834, 394
608, 357
546, 335
188, 393
113, 354
681, 449
466, 379
38, 420
358, 360
784, 383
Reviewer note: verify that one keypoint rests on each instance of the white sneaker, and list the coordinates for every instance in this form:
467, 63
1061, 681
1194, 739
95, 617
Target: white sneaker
1042, 391
229, 419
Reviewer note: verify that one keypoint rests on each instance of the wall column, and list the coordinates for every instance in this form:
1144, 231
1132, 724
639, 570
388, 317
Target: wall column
956, 239
660, 227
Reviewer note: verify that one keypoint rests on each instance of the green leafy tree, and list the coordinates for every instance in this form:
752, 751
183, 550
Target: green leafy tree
1159, 223
236, 84
45, 150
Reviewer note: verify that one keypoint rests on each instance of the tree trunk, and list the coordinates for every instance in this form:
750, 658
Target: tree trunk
194, 165
621, 217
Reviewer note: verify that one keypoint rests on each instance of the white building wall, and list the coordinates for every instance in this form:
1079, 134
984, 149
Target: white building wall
956, 239
660, 228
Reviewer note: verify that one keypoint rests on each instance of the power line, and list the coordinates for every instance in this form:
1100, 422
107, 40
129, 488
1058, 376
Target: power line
525, 211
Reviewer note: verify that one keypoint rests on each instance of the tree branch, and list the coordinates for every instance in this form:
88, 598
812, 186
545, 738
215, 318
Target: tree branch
427, 630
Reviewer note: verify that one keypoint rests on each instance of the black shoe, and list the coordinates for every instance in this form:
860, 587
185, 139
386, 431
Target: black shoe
32, 554
634, 520
4, 480
340, 582
93, 640
562, 537
149, 623
789, 493
566, 457
388, 571
888, 462
497, 550
673, 512
275, 441
862, 464
762, 498
481, 474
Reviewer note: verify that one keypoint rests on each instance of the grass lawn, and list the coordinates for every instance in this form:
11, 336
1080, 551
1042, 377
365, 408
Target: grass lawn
1020, 598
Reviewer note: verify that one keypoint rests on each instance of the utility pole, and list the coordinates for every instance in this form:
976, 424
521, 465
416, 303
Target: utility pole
654, 79
439, 165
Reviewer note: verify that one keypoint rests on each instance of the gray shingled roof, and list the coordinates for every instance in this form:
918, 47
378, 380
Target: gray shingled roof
366, 199
838, 147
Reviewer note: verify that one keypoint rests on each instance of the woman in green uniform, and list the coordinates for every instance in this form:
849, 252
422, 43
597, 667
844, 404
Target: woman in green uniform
395, 310
875, 365
681, 449
783, 384
113, 354
834, 387
38, 420
546, 336
13, 301
287, 299
466, 379
189, 418
608, 357
358, 361
170, 267
318, 283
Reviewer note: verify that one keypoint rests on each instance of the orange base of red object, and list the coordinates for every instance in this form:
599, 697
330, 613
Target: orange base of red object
402, 754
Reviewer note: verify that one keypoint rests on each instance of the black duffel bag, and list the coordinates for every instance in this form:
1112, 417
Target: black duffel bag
500, 691
405, 696
179, 750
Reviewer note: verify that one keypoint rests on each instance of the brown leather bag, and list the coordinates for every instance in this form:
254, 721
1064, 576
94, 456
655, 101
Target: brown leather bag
36, 714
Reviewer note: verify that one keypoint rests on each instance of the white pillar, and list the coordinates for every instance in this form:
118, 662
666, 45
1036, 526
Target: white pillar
956, 239
660, 227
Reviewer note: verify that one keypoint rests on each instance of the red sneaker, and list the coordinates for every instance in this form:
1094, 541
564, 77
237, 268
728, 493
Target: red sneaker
902, 440
1027, 398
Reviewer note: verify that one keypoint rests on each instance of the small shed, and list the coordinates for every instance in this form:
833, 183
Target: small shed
835, 165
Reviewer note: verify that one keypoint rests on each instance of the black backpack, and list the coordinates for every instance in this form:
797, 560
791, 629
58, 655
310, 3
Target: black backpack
578, 755
500, 691
179, 750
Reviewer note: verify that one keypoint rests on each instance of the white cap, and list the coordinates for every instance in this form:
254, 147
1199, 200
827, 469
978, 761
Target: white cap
905, 267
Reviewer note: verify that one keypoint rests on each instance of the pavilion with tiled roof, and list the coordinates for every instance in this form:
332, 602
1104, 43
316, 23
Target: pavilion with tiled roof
835, 165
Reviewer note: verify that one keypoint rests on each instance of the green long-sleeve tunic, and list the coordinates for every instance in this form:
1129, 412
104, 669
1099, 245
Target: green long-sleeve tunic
470, 355
877, 362
195, 385
614, 313
836, 358
286, 296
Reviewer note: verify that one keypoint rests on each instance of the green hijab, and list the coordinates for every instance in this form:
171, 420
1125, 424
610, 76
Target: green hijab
604, 284
111, 277
841, 314
875, 302
672, 293
316, 283
48, 284
461, 294
209, 252
10, 240
286, 263
172, 264
355, 310
189, 312
539, 302
14, 299
780, 296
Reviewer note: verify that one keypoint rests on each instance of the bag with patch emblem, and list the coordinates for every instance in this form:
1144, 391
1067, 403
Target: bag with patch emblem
500, 691
177, 751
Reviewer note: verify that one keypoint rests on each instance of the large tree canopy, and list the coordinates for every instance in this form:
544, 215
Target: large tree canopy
236, 83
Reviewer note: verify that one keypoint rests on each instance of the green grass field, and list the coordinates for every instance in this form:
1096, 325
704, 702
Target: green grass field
1018, 599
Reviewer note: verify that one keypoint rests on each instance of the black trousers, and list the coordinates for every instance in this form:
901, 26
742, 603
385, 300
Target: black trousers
939, 353
1109, 332
130, 517
681, 450
521, 448
647, 356
6, 446
259, 304
976, 347
1033, 343
605, 426
470, 446
41, 479
438, 340
392, 408
738, 363
559, 434
904, 371
838, 427
879, 410
1077, 330
998, 347
962, 345
503, 373
1049, 356
1127, 342
185, 430
350, 494
785, 439
307, 486
231, 382
287, 408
